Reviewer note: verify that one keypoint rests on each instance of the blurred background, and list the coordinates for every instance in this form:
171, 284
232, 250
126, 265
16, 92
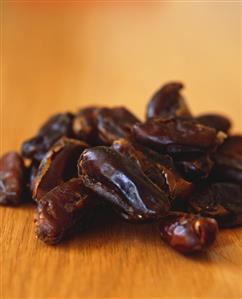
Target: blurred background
60, 56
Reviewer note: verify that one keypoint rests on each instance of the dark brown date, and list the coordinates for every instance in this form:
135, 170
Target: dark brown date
131, 150
228, 161
85, 125
162, 133
184, 152
195, 169
114, 123
222, 201
183, 171
58, 166
55, 127
216, 121
168, 101
32, 171
188, 233
62, 210
159, 168
12, 176
121, 182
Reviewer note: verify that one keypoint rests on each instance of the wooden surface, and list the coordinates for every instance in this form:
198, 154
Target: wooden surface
57, 57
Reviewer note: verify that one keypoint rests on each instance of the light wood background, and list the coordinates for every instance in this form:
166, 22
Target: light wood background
59, 56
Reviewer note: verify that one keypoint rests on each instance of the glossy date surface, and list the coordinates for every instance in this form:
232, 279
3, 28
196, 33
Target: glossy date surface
122, 183
177, 169
175, 135
159, 168
168, 101
188, 233
196, 169
114, 123
58, 166
61, 211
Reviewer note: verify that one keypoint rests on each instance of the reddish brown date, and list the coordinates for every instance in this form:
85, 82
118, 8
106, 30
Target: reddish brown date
168, 101
134, 152
163, 134
163, 169
195, 169
228, 161
101, 126
58, 166
12, 176
53, 129
216, 121
222, 201
159, 168
62, 210
114, 123
188, 233
85, 125
121, 182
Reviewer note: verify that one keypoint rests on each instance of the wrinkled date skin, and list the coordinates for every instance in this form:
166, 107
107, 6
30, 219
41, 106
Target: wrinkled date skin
55, 127
222, 201
182, 171
168, 101
58, 166
228, 161
159, 169
125, 147
101, 126
176, 136
195, 169
216, 121
121, 182
188, 233
62, 210
12, 176
85, 125
114, 123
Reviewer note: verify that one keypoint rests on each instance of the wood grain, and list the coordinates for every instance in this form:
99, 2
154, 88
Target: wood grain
58, 57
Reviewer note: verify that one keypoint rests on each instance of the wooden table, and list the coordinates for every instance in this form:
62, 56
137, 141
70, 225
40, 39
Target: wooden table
58, 57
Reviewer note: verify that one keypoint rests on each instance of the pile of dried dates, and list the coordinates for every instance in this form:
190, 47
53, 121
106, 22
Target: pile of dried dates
182, 171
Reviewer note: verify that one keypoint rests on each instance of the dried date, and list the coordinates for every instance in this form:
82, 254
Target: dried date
162, 134
228, 161
62, 210
55, 127
101, 126
122, 183
134, 152
188, 233
58, 166
174, 168
114, 123
160, 169
216, 121
195, 169
12, 179
168, 101
85, 125
222, 201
